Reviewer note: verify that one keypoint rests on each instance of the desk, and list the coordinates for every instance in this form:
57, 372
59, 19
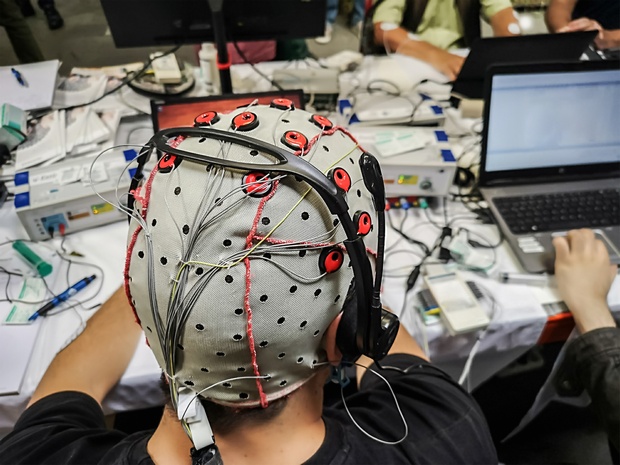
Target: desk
516, 325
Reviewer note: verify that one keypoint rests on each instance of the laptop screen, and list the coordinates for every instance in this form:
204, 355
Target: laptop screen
553, 119
174, 113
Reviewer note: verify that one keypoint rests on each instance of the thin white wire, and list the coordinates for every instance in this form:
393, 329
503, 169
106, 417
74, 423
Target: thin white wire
117, 206
470, 359
474, 350
402, 417
166, 191
275, 126
237, 378
288, 271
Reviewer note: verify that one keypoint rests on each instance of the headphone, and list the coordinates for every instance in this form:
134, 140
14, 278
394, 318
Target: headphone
365, 328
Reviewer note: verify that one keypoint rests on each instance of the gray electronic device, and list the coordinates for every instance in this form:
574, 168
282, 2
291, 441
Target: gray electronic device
59, 199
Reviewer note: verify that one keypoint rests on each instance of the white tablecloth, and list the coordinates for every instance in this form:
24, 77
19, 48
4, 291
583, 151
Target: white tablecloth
515, 328
516, 325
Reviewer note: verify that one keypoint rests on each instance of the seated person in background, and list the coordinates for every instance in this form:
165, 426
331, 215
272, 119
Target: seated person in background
253, 345
592, 362
437, 26
587, 15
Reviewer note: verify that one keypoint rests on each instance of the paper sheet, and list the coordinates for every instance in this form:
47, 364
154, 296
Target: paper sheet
41, 80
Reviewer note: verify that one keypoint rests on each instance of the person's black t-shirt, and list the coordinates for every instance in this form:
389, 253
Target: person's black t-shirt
445, 426
605, 12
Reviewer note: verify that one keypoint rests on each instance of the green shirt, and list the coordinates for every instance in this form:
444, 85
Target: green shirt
441, 24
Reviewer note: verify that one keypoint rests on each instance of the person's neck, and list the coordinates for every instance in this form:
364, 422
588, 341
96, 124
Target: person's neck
292, 437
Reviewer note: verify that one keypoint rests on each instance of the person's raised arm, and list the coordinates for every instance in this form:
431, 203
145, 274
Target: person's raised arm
605, 39
584, 277
504, 23
559, 14
398, 40
95, 361
559, 19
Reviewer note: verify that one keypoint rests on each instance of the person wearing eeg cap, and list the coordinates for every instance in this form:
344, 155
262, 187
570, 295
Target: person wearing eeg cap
249, 270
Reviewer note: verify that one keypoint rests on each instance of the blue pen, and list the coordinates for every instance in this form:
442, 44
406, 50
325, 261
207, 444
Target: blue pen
19, 77
60, 298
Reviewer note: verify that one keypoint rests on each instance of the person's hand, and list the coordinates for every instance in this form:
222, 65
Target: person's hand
604, 40
581, 24
448, 63
584, 276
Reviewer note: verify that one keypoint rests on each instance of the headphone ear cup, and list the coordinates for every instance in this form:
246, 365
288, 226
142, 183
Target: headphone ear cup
345, 336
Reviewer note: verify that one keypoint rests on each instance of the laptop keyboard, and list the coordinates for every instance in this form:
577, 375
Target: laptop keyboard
561, 211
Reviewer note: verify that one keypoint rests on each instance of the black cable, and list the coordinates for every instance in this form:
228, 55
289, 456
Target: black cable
415, 273
260, 73
430, 220
488, 245
129, 78
49, 290
409, 239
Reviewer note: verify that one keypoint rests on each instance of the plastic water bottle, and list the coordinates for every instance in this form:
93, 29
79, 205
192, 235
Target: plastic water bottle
207, 56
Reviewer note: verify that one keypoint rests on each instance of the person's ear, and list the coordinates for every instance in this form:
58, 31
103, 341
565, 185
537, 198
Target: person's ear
334, 356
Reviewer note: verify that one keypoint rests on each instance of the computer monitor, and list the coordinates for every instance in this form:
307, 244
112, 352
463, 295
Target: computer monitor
181, 112
141, 23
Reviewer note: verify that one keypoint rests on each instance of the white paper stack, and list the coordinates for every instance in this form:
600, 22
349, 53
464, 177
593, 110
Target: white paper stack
45, 144
79, 90
124, 99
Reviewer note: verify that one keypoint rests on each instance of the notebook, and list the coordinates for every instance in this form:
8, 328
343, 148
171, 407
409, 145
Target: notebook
550, 158
486, 52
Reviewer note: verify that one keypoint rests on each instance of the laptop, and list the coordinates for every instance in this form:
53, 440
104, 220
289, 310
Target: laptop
550, 159
534, 48
180, 112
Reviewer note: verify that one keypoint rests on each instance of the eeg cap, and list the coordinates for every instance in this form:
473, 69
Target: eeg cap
237, 274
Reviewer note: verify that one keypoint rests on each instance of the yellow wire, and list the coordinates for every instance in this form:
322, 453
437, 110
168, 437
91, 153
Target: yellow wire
265, 237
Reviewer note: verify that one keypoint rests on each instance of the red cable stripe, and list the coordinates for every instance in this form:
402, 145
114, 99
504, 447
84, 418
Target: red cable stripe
246, 299
328, 133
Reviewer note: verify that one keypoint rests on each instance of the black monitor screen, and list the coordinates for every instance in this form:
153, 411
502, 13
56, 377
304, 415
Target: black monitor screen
141, 23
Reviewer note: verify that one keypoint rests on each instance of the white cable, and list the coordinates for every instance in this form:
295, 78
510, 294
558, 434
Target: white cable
470, 358
402, 417
237, 378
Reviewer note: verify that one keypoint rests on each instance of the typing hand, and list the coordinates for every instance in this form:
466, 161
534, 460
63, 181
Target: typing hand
581, 24
447, 63
584, 277
604, 40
